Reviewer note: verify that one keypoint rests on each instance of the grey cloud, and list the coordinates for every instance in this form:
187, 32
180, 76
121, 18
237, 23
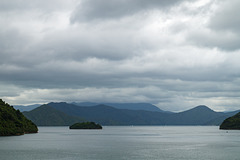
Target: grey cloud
218, 27
13, 46
83, 85
226, 18
11, 40
27, 5
165, 99
95, 72
224, 40
22, 51
223, 28
77, 59
110, 9
9, 90
130, 60
80, 45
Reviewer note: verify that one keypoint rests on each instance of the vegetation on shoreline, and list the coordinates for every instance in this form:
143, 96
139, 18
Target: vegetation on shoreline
86, 125
13, 122
231, 123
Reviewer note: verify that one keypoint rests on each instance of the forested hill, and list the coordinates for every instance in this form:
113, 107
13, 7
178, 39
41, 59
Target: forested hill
49, 116
231, 123
13, 122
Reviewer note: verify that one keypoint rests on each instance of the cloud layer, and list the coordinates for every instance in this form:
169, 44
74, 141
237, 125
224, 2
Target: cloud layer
114, 9
175, 54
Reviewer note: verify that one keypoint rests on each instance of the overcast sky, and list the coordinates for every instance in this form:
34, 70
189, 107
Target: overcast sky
176, 54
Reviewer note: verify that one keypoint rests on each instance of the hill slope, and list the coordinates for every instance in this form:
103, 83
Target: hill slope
129, 106
231, 123
13, 122
48, 116
106, 115
200, 115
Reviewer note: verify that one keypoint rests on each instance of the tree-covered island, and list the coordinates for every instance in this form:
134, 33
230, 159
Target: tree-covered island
86, 125
13, 122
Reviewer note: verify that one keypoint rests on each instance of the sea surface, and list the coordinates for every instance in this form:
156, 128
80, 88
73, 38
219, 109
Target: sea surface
124, 143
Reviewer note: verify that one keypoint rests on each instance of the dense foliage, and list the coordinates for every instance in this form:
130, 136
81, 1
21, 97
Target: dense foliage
86, 125
231, 122
13, 122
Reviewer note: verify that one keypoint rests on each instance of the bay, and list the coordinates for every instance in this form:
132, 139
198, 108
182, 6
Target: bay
124, 143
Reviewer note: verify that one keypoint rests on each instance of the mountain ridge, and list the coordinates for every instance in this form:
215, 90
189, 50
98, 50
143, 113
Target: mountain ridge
108, 115
48, 116
199, 115
130, 106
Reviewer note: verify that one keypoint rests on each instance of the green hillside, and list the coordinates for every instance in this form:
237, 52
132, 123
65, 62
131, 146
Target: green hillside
48, 116
231, 123
13, 122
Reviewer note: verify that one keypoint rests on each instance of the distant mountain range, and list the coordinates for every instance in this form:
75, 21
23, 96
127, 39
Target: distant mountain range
26, 108
117, 114
46, 115
130, 106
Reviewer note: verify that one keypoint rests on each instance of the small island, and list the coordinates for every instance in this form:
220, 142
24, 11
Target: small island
86, 125
13, 122
231, 123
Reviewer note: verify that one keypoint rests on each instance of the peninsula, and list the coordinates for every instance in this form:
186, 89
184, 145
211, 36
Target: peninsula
13, 122
231, 123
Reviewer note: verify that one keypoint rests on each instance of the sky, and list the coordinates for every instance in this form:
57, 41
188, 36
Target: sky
175, 54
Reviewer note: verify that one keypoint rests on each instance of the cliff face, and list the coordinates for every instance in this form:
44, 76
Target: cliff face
231, 123
13, 122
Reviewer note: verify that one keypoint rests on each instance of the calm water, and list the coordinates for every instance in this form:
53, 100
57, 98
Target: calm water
124, 143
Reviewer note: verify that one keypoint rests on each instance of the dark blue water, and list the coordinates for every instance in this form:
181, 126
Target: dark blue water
124, 143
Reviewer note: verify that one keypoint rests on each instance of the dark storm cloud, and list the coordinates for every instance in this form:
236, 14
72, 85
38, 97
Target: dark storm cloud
112, 9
